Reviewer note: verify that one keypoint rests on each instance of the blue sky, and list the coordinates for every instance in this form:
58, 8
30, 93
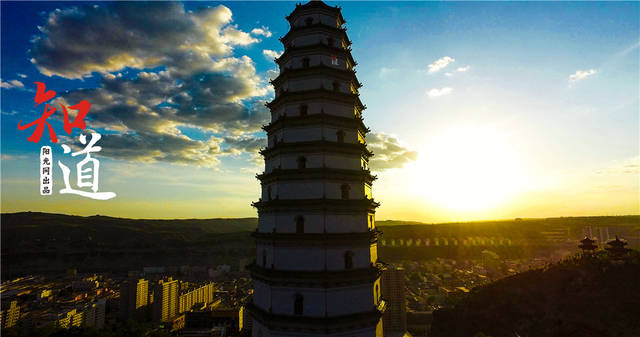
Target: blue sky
529, 110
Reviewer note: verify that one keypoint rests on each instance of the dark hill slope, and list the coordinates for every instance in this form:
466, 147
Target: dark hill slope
30, 226
577, 297
49, 243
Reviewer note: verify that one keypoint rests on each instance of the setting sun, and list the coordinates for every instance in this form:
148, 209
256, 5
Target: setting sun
469, 168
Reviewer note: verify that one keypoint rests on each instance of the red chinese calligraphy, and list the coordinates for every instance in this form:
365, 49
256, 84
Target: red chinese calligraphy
42, 121
42, 95
83, 109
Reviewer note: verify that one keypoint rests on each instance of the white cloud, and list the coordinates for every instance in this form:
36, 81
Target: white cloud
389, 152
233, 36
172, 37
22, 75
12, 113
264, 31
203, 85
581, 75
11, 84
272, 74
625, 166
448, 74
463, 69
385, 71
271, 54
12, 156
437, 92
440, 64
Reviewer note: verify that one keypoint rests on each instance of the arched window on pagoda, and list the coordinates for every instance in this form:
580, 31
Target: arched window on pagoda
336, 86
305, 62
308, 21
302, 162
348, 259
268, 192
298, 305
345, 191
330, 42
264, 258
304, 109
299, 224
340, 136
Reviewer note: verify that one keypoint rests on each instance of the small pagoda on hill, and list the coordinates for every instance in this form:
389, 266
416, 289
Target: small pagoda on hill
617, 247
587, 245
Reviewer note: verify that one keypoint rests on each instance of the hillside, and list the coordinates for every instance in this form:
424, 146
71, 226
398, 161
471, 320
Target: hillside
35, 242
579, 297
41, 242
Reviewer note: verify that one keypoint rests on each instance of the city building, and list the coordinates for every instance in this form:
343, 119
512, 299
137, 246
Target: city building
83, 315
203, 295
244, 325
10, 314
134, 299
394, 292
165, 300
70, 318
94, 314
316, 271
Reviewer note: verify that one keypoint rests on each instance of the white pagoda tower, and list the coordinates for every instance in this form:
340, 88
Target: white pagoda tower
316, 271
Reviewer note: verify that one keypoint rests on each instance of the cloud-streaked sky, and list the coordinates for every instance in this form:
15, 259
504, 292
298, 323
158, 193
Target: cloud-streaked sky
477, 110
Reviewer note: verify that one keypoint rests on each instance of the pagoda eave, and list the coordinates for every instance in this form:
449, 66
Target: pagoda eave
321, 69
301, 9
353, 205
315, 48
316, 173
315, 94
320, 146
318, 239
313, 28
313, 119
316, 279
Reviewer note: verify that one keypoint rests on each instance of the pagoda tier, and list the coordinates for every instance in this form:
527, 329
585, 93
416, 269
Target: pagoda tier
316, 173
324, 279
320, 93
318, 11
359, 324
315, 54
331, 121
316, 271
348, 76
353, 205
316, 33
316, 255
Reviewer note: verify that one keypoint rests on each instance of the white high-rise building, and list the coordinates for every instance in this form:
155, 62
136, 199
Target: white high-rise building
316, 270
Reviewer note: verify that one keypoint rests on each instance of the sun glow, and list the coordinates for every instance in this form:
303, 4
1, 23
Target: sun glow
468, 168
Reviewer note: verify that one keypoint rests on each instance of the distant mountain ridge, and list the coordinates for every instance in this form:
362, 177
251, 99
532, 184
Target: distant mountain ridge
34, 242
